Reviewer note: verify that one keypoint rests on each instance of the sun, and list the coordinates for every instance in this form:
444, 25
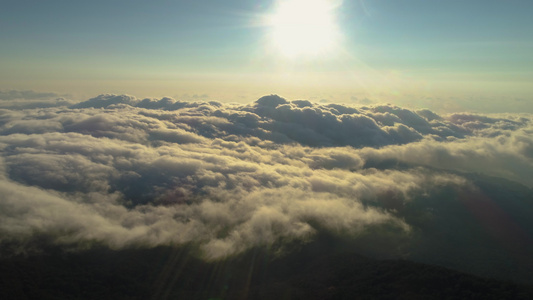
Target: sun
304, 28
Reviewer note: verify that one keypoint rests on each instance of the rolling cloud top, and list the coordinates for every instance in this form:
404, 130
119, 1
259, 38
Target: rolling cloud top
127, 172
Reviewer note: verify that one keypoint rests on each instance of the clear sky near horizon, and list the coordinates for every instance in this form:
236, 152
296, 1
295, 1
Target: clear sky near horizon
446, 55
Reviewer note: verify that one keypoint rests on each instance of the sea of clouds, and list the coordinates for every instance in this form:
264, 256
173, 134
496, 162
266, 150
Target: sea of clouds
127, 172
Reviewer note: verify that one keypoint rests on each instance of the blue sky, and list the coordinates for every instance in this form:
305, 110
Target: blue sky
411, 48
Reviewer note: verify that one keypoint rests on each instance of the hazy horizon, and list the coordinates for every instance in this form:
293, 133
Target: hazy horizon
446, 56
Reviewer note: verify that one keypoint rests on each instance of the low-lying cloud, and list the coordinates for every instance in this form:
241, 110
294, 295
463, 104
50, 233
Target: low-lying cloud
128, 172
15, 99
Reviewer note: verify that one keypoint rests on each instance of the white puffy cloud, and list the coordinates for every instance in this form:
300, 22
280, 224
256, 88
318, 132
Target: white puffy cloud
122, 171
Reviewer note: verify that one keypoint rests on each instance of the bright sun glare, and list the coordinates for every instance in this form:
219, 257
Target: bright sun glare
304, 28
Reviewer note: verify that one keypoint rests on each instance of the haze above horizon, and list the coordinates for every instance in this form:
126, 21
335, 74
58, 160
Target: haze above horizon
447, 56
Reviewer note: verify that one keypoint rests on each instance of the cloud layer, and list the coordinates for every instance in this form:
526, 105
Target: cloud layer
127, 172
15, 99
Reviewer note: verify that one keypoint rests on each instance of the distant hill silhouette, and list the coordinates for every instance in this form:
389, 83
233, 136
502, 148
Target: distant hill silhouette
313, 272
